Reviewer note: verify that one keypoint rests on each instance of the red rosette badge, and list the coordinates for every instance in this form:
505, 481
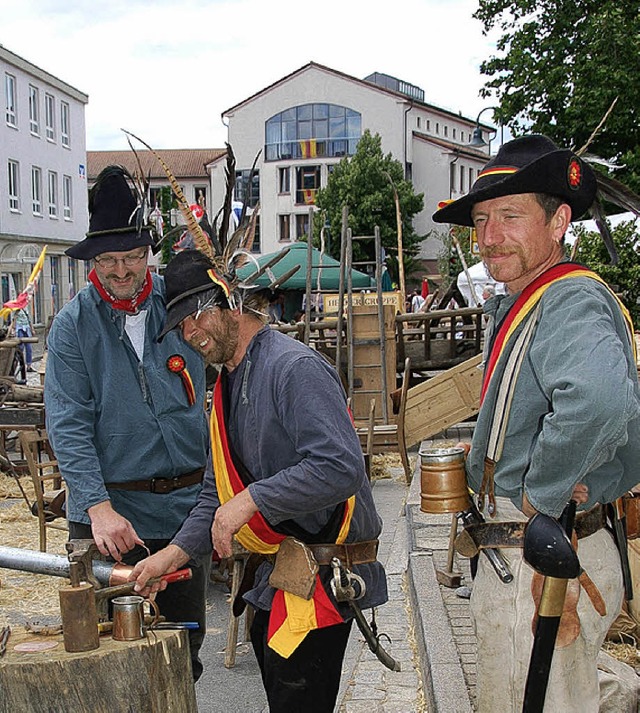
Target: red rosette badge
574, 174
177, 365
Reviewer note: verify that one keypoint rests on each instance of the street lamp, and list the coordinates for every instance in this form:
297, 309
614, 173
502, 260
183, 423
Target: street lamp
477, 140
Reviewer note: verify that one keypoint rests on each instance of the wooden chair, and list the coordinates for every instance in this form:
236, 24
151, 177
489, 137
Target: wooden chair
43, 468
390, 437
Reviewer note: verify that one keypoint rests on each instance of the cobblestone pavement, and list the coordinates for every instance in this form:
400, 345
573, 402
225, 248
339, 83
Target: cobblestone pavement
367, 685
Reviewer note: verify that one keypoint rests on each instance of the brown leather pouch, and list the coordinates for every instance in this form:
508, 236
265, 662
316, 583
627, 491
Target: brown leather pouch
295, 569
632, 514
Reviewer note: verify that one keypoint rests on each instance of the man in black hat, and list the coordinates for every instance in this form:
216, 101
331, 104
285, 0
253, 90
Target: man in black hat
290, 475
125, 412
560, 414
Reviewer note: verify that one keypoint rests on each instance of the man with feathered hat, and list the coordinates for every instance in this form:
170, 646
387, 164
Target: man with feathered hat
290, 485
559, 421
125, 412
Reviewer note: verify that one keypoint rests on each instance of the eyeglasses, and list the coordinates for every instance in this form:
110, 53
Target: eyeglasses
129, 260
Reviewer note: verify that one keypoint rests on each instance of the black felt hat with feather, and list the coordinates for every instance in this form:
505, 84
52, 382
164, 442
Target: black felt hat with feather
529, 164
117, 221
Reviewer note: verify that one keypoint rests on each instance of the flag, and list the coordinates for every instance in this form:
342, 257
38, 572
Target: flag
23, 299
309, 148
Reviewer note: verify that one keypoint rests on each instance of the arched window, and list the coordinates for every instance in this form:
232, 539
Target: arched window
312, 130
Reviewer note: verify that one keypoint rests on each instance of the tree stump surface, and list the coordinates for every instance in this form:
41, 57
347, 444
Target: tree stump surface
152, 675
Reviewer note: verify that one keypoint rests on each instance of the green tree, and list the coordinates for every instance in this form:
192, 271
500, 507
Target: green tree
362, 183
623, 278
560, 64
166, 202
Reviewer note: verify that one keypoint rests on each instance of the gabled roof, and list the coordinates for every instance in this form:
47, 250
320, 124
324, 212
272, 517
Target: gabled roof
184, 163
348, 77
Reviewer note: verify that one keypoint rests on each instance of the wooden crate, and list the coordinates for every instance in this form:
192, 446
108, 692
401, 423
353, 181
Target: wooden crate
441, 402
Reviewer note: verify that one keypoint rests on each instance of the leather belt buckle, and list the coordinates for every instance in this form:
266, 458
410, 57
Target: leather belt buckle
161, 486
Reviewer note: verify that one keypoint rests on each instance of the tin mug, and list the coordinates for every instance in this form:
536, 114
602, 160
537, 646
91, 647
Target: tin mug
128, 617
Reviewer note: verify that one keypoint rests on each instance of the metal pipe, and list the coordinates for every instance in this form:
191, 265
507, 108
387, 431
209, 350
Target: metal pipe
53, 565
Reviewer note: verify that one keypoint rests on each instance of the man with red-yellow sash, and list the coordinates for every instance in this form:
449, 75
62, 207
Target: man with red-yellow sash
559, 421
290, 485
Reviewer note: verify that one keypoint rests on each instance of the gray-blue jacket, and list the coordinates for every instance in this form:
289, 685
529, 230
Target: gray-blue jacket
288, 423
113, 418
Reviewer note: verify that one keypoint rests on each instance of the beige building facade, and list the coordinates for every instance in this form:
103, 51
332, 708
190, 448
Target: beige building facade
305, 123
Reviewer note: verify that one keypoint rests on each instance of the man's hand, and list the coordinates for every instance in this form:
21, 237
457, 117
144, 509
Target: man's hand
580, 494
114, 535
229, 518
162, 562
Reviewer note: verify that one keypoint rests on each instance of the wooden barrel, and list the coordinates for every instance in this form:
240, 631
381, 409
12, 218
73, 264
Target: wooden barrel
152, 675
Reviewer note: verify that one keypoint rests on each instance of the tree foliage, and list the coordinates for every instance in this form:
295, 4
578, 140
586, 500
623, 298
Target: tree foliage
559, 66
362, 183
623, 278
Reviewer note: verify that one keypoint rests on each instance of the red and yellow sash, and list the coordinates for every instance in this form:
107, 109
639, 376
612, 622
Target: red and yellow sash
292, 617
528, 299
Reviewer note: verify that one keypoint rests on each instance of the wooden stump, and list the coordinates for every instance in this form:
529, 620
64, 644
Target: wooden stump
152, 675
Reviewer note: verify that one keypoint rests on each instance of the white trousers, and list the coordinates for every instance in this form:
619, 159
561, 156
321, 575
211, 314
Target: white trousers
503, 615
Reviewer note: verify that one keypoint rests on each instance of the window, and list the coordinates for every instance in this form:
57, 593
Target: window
201, 196
462, 137
307, 184
54, 261
437, 128
446, 130
418, 122
53, 194
67, 202
10, 97
73, 277
302, 225
36, 190
311, 130
284, 180
452, 177
14, 186
34, 110
49, 117
470, 178
462, 172
255, 247
65, 135
284, 228
454, 130
428, 124
245, 194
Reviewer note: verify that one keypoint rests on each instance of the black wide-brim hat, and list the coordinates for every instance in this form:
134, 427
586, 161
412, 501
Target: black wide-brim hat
529, 164
186, 277
115, 217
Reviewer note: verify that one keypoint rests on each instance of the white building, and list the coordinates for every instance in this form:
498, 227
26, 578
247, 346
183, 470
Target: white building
43, 188
306, 122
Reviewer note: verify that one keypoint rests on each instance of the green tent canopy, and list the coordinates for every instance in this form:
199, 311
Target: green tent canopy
297, 255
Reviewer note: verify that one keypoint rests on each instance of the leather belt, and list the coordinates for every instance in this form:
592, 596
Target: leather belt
511, 534
160, 486
349, 554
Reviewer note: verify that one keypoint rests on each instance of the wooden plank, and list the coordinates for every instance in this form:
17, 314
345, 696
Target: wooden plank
368, 350
447, 399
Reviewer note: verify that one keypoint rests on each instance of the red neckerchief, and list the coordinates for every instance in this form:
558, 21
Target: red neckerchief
130, 306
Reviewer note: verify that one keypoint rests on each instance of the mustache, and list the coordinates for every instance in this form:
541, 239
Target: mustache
496, 251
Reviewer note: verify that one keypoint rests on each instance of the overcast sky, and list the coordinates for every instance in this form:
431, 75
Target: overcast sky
167, 69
